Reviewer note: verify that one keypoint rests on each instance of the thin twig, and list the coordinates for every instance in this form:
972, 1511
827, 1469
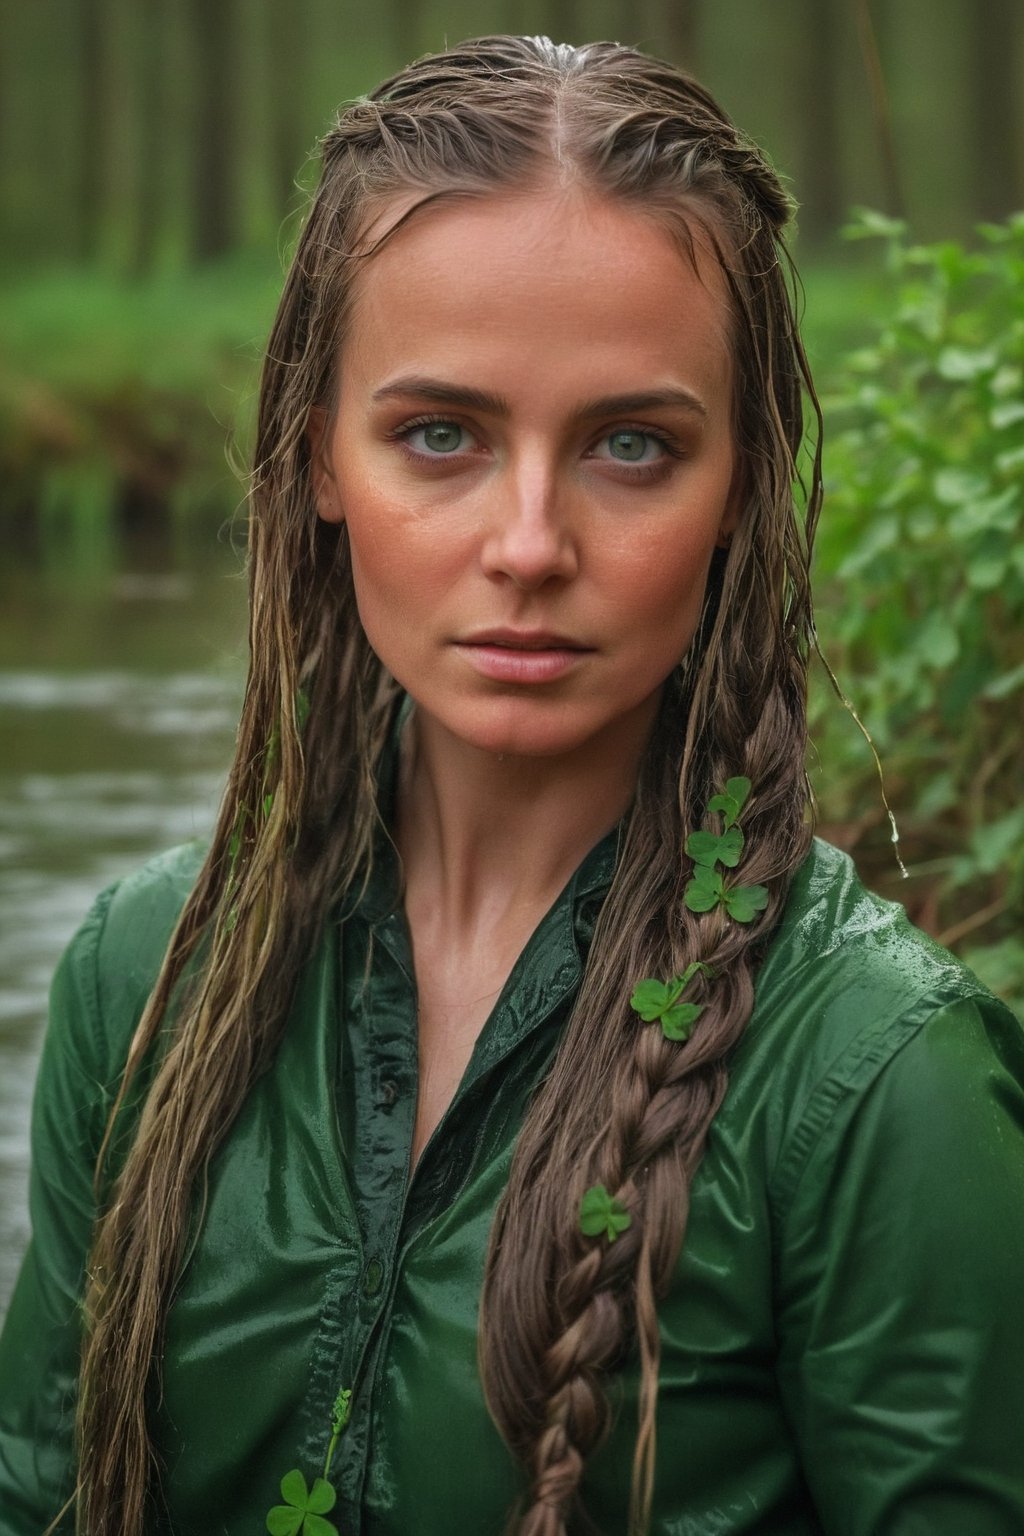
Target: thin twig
969, 924
880, 109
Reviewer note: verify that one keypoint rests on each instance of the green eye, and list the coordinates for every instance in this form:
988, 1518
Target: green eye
628, 446
442, 437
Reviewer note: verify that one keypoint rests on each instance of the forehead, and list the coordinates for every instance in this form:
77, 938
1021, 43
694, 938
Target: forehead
578, 281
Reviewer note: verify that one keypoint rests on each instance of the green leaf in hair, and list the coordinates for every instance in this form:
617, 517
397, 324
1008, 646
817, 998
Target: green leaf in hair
732, 800
653, 999
704, 890
706, 848
601, 1215
744, 902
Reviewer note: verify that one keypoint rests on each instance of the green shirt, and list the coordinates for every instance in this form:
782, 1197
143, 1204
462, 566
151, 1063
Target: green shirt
843, 1346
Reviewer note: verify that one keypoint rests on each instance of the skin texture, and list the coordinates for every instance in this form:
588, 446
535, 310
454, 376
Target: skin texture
545, 302
533, 453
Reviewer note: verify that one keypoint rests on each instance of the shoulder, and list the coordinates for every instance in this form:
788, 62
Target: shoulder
851, 996
141, 912
108, 969
844, 962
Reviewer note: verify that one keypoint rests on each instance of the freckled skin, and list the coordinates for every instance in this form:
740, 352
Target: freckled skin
587, 532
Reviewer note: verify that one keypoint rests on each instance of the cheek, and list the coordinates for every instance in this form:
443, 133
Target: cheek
666, 586
402, 573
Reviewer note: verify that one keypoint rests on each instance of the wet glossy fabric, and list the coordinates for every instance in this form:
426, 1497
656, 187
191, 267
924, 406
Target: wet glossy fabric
843, 1348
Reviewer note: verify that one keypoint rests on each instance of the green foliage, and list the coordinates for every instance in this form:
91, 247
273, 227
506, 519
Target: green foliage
706, 889
654, 999
732, 800
111, 391
705, 848
303, 1509
601, 1215
744, 902
921, 573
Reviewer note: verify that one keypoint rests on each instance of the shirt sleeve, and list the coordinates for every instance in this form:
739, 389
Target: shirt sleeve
39, 1348
901, 1284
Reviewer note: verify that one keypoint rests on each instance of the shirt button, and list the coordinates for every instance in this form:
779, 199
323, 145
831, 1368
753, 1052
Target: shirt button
388, 1092
373, 1277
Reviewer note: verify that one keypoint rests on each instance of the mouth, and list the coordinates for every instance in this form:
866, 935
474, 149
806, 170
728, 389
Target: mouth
520, 657
523, 640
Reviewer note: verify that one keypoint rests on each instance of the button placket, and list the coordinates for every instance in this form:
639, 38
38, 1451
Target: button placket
373, 1278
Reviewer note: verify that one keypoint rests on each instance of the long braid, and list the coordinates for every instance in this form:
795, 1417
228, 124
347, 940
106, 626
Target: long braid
640, 1132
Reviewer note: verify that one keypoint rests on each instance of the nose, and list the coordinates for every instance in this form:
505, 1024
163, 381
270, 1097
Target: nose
530, 539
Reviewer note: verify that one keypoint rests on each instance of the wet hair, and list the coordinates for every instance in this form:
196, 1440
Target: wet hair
621, 1105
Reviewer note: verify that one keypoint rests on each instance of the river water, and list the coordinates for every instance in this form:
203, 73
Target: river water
118, 701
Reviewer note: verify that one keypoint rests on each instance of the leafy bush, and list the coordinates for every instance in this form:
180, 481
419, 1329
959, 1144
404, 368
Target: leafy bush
921, 588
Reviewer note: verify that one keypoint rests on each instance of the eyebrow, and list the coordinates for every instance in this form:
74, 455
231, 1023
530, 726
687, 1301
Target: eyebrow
496, 405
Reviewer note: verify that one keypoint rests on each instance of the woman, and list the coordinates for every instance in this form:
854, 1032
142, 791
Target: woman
511, 964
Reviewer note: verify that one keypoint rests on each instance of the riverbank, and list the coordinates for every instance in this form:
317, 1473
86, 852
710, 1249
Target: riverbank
131, 405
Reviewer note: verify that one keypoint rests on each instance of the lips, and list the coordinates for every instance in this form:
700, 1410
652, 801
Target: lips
523, 640
521, 656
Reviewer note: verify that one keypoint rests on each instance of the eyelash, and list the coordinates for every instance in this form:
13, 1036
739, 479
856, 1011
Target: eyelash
401, 435
645, 472
636, 472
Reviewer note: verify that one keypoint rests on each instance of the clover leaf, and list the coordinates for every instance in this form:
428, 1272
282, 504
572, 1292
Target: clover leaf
677, 1022
653, 999
704, 890
743, 902
601, 1215
705, 848
733, 800
303, 1509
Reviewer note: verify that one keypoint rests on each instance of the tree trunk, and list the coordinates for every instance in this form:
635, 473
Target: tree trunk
679, 33
150, 137
406, 30
212, 167
289, 146
91, 131
822, 201
564, 21
993, 84
878, 92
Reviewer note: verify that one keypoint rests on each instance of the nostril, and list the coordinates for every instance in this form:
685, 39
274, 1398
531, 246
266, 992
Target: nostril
531, 550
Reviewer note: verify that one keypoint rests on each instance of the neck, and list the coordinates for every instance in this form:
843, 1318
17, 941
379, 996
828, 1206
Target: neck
488, 835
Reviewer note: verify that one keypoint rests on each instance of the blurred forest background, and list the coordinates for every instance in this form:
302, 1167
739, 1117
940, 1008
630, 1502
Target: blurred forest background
153, 156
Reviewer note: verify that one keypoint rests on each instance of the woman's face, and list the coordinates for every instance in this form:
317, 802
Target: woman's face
533, 454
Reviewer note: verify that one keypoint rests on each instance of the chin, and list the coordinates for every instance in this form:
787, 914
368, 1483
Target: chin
519, 728
547, 728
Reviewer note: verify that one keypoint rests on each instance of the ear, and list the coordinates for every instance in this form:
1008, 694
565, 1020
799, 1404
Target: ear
733, 509
321, 471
